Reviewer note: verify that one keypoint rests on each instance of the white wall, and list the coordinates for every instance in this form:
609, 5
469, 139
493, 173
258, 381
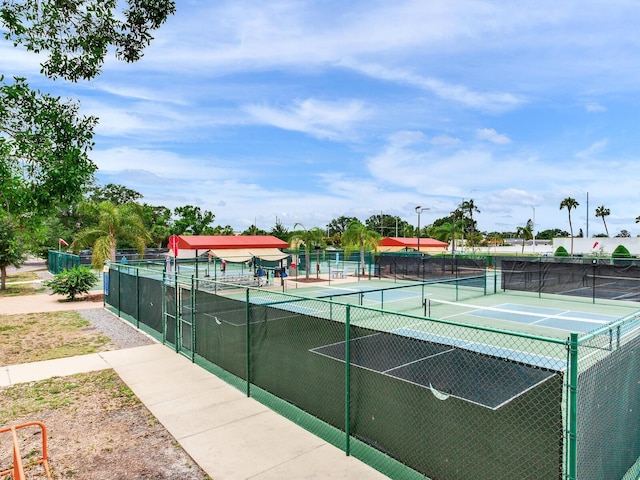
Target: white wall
605, 246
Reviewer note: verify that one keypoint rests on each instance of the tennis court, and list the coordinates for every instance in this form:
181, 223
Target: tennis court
445, 376
446, 370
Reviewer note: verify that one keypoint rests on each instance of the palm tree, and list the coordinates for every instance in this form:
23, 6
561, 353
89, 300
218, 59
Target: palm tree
601, 211
313, 238
114, 223
525, 233
569, 203
358, 235
470, 206
441, 232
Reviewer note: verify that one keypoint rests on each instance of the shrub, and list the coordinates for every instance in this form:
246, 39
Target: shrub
72, 282
621, 252
561, 252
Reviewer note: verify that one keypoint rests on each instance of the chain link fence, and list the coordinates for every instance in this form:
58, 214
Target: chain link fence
595, 279
58, 261
412, 396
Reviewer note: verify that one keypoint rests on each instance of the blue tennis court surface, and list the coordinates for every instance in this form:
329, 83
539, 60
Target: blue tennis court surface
570, 320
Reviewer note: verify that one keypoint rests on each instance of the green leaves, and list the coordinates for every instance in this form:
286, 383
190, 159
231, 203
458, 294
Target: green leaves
73, 282
44, 150
78, 33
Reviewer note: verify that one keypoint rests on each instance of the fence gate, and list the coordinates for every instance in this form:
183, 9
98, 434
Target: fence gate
179, 315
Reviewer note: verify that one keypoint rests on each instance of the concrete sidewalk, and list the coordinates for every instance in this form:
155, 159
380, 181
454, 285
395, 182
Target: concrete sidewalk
229, 435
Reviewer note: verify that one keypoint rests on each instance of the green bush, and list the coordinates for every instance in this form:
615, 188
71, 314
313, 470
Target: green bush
621, 252
561, 252
72, 282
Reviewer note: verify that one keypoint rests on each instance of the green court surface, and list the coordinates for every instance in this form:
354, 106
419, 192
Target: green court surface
552, 316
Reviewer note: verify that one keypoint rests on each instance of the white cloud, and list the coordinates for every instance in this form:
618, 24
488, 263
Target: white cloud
445, 140
163, 164
595, 107
326, 120
490, 135
593, 149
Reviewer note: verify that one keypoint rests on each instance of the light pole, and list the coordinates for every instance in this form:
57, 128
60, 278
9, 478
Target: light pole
419, 210
533, 228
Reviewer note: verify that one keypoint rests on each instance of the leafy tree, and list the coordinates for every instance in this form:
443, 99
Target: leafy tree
311, 239
44, 148
550, 234
339, 225
44, 144
116, 194
157, 222
77, 34
442, 231
624, 234
11, 250
602, 211
72, 282
359, 236
280, 231
494, 239
115, 223
386, 225
220, 230
254, 230
569, 203
191, 220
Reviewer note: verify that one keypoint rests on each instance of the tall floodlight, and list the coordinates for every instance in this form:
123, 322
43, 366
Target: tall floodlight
419, 210
533, 228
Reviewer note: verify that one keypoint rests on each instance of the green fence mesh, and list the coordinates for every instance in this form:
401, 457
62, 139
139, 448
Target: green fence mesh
592, 279
433, 398
59, 261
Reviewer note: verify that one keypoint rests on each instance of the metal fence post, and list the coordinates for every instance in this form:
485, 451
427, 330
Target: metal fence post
138, 299
193, 318
572, 421
248, 341
347, 382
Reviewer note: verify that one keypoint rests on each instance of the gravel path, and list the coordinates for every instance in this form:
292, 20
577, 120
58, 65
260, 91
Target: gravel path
123, 334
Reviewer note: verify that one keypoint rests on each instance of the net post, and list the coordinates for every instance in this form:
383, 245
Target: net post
248, 343
347, 382
540, 277
572, 455
484, 281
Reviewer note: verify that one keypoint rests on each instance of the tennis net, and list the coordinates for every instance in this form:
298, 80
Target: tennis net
407, 297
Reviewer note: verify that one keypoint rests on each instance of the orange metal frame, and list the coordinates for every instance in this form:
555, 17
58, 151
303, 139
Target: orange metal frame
18, 469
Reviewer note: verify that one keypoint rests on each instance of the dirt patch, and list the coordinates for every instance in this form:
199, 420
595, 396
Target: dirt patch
33, 337
310, 280
90, 297
97, 429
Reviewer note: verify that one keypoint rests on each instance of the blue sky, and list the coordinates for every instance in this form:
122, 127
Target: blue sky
309, 110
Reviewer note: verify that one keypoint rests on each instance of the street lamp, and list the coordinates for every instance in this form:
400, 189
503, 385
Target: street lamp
419, 210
